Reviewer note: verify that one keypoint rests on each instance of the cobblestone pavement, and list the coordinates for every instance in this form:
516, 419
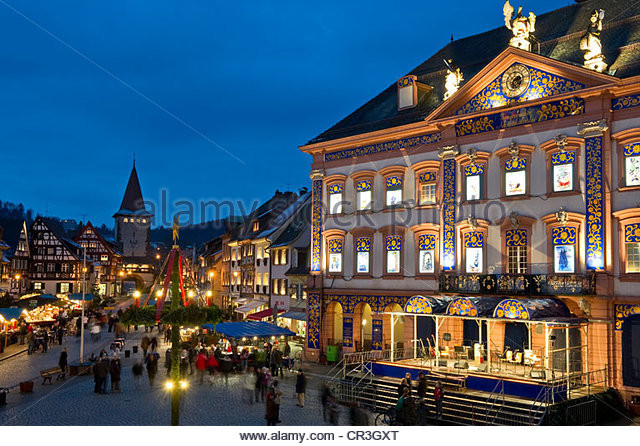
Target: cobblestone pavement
72, 402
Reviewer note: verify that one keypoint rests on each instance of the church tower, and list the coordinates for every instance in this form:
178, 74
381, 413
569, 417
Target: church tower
133, 221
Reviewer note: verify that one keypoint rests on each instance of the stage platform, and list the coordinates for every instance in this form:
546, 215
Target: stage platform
514, 383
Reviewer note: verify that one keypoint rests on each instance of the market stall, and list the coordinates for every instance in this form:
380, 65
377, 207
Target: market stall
9, 324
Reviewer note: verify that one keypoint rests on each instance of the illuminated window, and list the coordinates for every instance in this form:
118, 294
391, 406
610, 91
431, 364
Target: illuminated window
564, 249
256, 226
393, 245
363, 250
563, 168
474, 174
126, 220
64, 287
335, 199
427, 188
632, 245
473, 247
515, 176
335, 255
426, 253
363, 195
631, 154
394, 191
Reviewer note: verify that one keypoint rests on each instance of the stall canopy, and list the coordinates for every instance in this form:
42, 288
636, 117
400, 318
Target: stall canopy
10, 314
246, 329
251, 305
263, 314
36, 301
78, 296
297, 315
547, 309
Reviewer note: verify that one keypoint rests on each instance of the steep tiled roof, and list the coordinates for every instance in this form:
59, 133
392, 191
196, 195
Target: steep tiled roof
132, 202
559, 33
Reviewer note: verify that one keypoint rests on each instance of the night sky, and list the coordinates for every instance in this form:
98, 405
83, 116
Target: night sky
213, 97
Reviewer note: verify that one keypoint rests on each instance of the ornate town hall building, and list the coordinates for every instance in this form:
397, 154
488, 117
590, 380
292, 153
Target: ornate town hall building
496, 189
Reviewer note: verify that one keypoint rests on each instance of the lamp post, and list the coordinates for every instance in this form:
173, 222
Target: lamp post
18, 277
136, 298
211, 274
121, 274
84, 273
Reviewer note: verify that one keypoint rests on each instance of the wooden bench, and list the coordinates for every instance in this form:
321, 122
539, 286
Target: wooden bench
49, 373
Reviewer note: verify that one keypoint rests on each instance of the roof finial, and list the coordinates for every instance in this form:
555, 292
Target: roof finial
134, 159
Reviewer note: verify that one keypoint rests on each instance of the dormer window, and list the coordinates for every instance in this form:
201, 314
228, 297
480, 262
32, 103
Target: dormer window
407, 92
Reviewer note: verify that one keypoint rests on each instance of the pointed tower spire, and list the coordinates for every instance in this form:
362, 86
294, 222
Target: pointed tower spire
132, 202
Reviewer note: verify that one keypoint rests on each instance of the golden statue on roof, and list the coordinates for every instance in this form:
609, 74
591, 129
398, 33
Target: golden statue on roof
521, 26
452, 79
591, 45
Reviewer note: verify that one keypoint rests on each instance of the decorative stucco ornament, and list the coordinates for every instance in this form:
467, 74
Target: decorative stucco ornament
521, 26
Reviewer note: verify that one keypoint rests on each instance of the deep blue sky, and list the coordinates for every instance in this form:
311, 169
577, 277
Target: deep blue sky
258, 78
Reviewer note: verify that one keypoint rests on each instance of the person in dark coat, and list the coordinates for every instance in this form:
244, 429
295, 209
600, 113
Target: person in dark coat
154, 344
115, 369
152, 366
137, 369
60, 334
422, 386
403, 385
167, 361
99, 375
271, 414
78, 326
257, 391
62, 362
144, 345
301, 387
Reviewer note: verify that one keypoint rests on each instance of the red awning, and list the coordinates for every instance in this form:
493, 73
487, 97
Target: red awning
260, 315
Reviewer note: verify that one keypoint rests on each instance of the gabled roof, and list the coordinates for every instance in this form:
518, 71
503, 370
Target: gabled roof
58, 231
559, 33
297, 226
108, 245
132, 202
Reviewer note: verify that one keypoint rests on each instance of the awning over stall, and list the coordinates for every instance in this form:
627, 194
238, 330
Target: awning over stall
10, 314
263, 314
296, 315
78, 296
247, 329
251, 305
549, 309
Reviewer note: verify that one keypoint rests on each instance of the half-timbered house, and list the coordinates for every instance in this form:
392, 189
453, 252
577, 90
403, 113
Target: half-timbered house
104, 253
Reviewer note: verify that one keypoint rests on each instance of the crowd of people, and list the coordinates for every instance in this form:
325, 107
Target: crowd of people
407, 408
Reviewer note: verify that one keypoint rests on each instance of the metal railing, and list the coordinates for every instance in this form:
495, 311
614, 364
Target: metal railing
518, 284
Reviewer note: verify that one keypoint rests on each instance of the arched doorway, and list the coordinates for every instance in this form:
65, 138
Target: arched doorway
398, 327
362, 327
332, 324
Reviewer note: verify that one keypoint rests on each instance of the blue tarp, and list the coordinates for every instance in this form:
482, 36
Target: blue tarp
246, 329
297, 315
10, 313
78, 296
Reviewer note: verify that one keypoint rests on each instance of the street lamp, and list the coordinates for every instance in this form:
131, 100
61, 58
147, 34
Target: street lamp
19, 284
136, 298
209, 294
121, 274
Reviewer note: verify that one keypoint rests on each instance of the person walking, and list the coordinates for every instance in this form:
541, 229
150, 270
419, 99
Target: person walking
153, 344
438, 396
62, 362
60, 334
137, 373
277, 399
325, 396
403, 385
287, 355
31, 342
201, 365
144, 345
152, 366
248, 385
301, 387
212, 365
257, 387
23, 332
115, 368
271, 414
45, 341
99, 376
167, 361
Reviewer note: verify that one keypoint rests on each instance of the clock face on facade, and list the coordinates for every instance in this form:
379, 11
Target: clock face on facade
515, 81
